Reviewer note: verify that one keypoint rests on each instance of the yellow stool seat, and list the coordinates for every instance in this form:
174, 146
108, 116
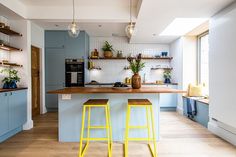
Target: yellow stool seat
139, 102
96, 102
146, 104
93, 103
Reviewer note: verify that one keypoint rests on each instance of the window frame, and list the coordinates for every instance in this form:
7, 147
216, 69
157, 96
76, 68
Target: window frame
199, 55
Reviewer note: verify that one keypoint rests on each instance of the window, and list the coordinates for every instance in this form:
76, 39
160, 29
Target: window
203, 63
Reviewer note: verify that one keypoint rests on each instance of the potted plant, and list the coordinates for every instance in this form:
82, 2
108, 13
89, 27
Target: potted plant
167, 76
11, 79
136, 66
107, 48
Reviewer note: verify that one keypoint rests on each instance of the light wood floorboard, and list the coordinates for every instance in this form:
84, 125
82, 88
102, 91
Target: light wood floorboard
180, 137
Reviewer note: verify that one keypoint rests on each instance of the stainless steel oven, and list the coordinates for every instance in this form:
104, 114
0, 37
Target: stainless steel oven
74, 72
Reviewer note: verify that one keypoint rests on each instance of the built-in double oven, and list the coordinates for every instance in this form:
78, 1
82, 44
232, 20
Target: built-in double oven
74, 72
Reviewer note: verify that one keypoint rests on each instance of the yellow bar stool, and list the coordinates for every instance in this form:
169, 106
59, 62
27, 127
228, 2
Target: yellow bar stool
88, 105
145, 103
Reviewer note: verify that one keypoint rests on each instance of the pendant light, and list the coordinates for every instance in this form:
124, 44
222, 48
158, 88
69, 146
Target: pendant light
130, 28
73, 28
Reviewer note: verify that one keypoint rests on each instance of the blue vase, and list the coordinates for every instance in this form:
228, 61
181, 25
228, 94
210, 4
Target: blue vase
5, 86
13, 84
167, 80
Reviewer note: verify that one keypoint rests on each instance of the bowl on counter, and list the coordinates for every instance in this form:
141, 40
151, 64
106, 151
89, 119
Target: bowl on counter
120, 85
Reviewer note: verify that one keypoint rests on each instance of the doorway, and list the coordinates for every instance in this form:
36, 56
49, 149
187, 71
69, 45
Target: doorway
35, 76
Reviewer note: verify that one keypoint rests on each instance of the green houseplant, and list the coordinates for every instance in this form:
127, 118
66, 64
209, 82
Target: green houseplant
107, 48
136, 65
167, 76
11, 79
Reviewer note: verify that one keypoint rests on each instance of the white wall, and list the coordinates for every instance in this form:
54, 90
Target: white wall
222, 73
176, 50
24, 58
189, 61
184, 52
116, 72
37, 40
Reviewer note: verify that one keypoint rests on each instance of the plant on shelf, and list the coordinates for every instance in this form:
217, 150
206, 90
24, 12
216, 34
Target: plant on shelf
11, 79
167, 76
107, 48
136, 65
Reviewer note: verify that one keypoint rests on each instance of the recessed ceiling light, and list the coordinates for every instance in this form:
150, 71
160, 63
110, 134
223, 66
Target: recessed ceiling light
181, 26
154, 34
56, 25
99, 25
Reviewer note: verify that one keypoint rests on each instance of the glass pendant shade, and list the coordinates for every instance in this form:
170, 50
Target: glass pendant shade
130, 30
73, 30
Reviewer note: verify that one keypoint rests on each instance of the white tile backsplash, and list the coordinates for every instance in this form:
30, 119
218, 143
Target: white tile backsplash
113, 70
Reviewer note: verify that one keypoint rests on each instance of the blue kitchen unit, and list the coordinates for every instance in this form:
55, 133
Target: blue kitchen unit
13, 112
202, 116
58, 47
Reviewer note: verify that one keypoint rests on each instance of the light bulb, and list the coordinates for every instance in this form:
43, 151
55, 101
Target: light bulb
130, 30
73, 30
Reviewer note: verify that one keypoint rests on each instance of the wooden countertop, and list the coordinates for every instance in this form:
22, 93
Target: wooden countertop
147, 83
11, 90
91, 90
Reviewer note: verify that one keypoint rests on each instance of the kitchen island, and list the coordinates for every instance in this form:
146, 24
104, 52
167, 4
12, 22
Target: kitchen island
70, 102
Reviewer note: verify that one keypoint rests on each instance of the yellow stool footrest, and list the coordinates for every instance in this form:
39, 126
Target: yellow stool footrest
98, 127
95, 139
140, 139
138, 127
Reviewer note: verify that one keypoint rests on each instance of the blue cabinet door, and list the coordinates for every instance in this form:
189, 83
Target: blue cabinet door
55, 66
55, 39
17, 108
75, 47
52, 99
4, 113
202, 114
168, 100
55, 75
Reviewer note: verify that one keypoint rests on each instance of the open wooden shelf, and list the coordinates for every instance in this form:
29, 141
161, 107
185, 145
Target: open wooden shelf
9, 48
124, 58
9, 32
162, 68
103, 58
10, 64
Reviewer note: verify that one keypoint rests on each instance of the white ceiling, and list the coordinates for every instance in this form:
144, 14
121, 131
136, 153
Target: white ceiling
151, 16
99, 29
77, 2
156, 15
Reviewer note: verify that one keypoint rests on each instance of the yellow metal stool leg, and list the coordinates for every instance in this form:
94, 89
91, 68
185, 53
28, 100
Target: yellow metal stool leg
88, 127
148, 125
127, 130
110, 127
82, 132
108, 132
153, 132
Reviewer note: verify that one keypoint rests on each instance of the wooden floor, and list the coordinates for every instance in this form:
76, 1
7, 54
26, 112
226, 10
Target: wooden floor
180, 137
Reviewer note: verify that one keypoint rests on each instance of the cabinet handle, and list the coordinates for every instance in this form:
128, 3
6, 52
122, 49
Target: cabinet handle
5, 94
10, 93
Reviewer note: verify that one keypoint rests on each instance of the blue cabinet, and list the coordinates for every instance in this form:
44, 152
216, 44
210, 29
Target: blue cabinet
75, 47
17, 108
55, 66
58, 47
4, 113
54, 39
13, 113
202, 116
168, 100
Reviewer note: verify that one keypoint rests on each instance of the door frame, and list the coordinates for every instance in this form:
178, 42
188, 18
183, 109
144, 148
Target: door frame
39, 92
43, 109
